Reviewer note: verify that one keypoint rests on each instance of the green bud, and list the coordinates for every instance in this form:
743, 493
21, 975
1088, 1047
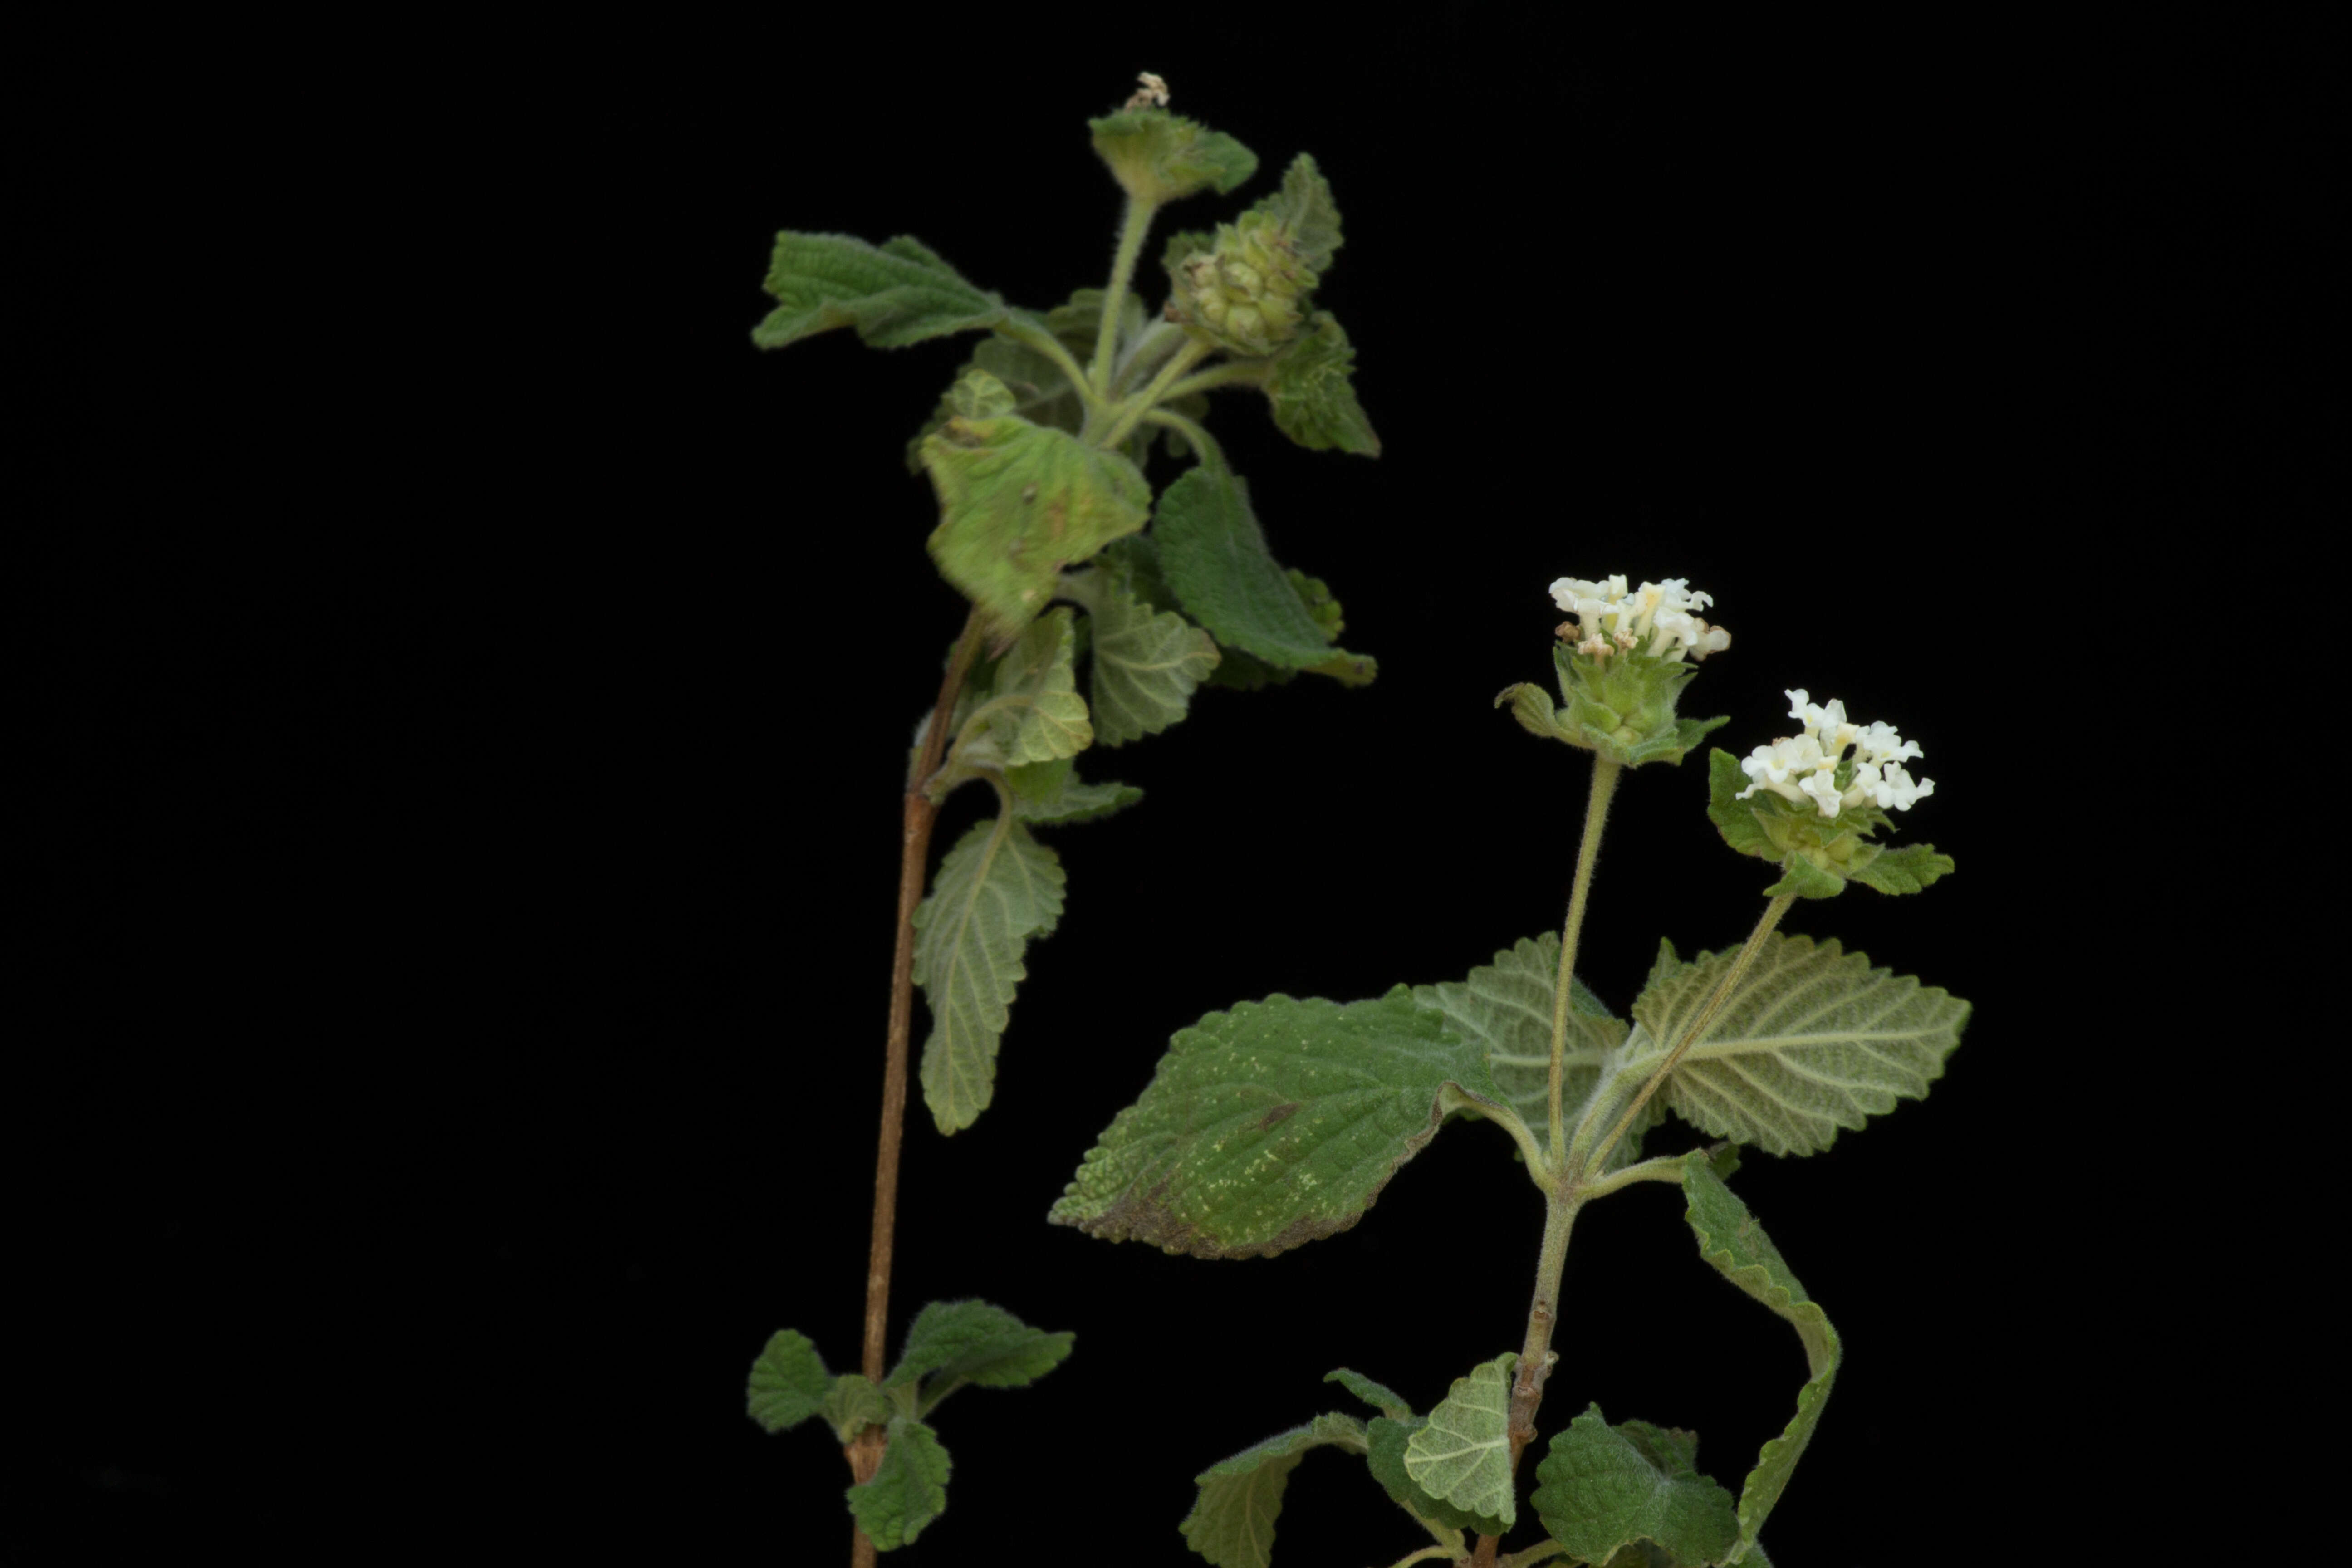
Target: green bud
1158, 157
1248, 293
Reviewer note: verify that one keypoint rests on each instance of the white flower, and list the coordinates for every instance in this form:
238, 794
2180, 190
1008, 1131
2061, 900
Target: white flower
1802, 768
1656, 618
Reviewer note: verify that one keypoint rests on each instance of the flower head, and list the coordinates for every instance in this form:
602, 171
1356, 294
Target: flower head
1815, 766
1658, 619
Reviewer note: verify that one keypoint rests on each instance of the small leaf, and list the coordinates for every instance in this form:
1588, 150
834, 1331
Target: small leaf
1231, 1522
1799, 876
1158, 157
855, 1403
1213, 556
1907, 868
1733, 817
972, 1342
1314, 403
1304, 210
899, 294
1075, 801
1603, 1488
1733, 1242
1504, 1010
1462, 1455
909, 1489
1814, 1039
1039, 716
1275, 1124
789, 1383
997, 889
1389, 1438
1147, 662
1019, 503
1379, 1395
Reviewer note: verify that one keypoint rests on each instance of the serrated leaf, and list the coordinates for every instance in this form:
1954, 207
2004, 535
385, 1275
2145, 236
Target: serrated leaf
1379, 1395
1038, 715
1160, 157
1231, 1522
1274, 1124
997, 889
972, 1341
1906, 869
1389, 1438
1600, 1488
1814, 1040
788, 1384
1503, 1011
1462, 1455
1147, 662
1019, 503
1735, 1246
1800, 876
1306, 210
901, 293
856, 1403
1314, 401
1075, 801
909, 1489
1212, 555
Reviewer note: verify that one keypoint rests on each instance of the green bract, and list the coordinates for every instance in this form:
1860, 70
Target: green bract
1619, 705
1159, 157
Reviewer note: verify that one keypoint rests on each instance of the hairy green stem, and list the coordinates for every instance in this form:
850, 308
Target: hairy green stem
1122, 271
1252, 372
1541, 1551
1046, 344
1202, 442
1131, 411
1596, 813
1427, 1554
1154, 343
1696, 1027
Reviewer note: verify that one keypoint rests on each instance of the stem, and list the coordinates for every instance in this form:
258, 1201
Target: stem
1049, 345
918, 815
1561, 1207
1122, 270
1202, 442
1154, 343
1252, 372
1697, 1026
1596, 812
1133, 409
1427, 1554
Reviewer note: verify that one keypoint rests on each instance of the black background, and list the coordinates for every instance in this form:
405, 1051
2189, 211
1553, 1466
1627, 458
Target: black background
457, 692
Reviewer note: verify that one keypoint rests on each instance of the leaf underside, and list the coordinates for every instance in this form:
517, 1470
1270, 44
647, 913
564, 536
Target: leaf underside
1462, 1455
996, 889
1233, 1519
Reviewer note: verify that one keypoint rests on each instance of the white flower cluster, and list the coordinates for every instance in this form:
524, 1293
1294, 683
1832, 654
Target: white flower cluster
1804, 767
1655, 618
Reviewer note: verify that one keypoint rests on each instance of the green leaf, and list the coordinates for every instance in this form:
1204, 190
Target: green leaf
1018, 502
1314, 403
1147, 662
1306, 210
994, 890
1800, 876
898, 295
1906, 870
1603, 1488
856, 1403
1463, 1455
1814, 1040
1158, 157
1231, 1522
1075, 801
1038, 715
1275, 1124
1503, 1011
1734, 1244
971, 1341
1390, 1437
1213, 555
789, 1383
907, 1492
1379, 1395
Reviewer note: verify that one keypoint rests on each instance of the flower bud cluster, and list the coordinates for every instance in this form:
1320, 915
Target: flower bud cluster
1814, 766
1658, 618
1249, 293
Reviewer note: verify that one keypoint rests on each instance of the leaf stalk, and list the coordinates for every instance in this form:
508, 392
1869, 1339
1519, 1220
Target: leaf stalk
1131, 411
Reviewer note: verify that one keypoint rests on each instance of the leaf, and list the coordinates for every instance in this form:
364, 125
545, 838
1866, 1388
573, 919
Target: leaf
1314, 403
1735, 1245
1160, 157
856, 1403
1462, 1455
1275, 1124
1390, 1438
993, 891
1074, 801
1147, 662
1603, 1488
899, 294
909, 1489
1231, 1522
1800, 876
1379, 1395
1503, 1011
1814, 1040
1018, 502
1213, 557
1906, 870
1039, 716
789, 1383
1306, 210
972, 1342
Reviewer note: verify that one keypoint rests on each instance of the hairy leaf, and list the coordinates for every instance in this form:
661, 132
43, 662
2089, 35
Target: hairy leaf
1730, 1240
971, 1341
1814, 1040
907, 1492
994, 890
1504, 1009
1603, 1488
1160, 157
789, 1383
1390, 1437
1314, 403
1213, 555
1907, 868
856, 1403
1147, 662
1274, 1124
1018, 502
1231, 1522
1037, 714
1306, 210
1379, 1395
1463, 1455
1072, 799
899, 294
